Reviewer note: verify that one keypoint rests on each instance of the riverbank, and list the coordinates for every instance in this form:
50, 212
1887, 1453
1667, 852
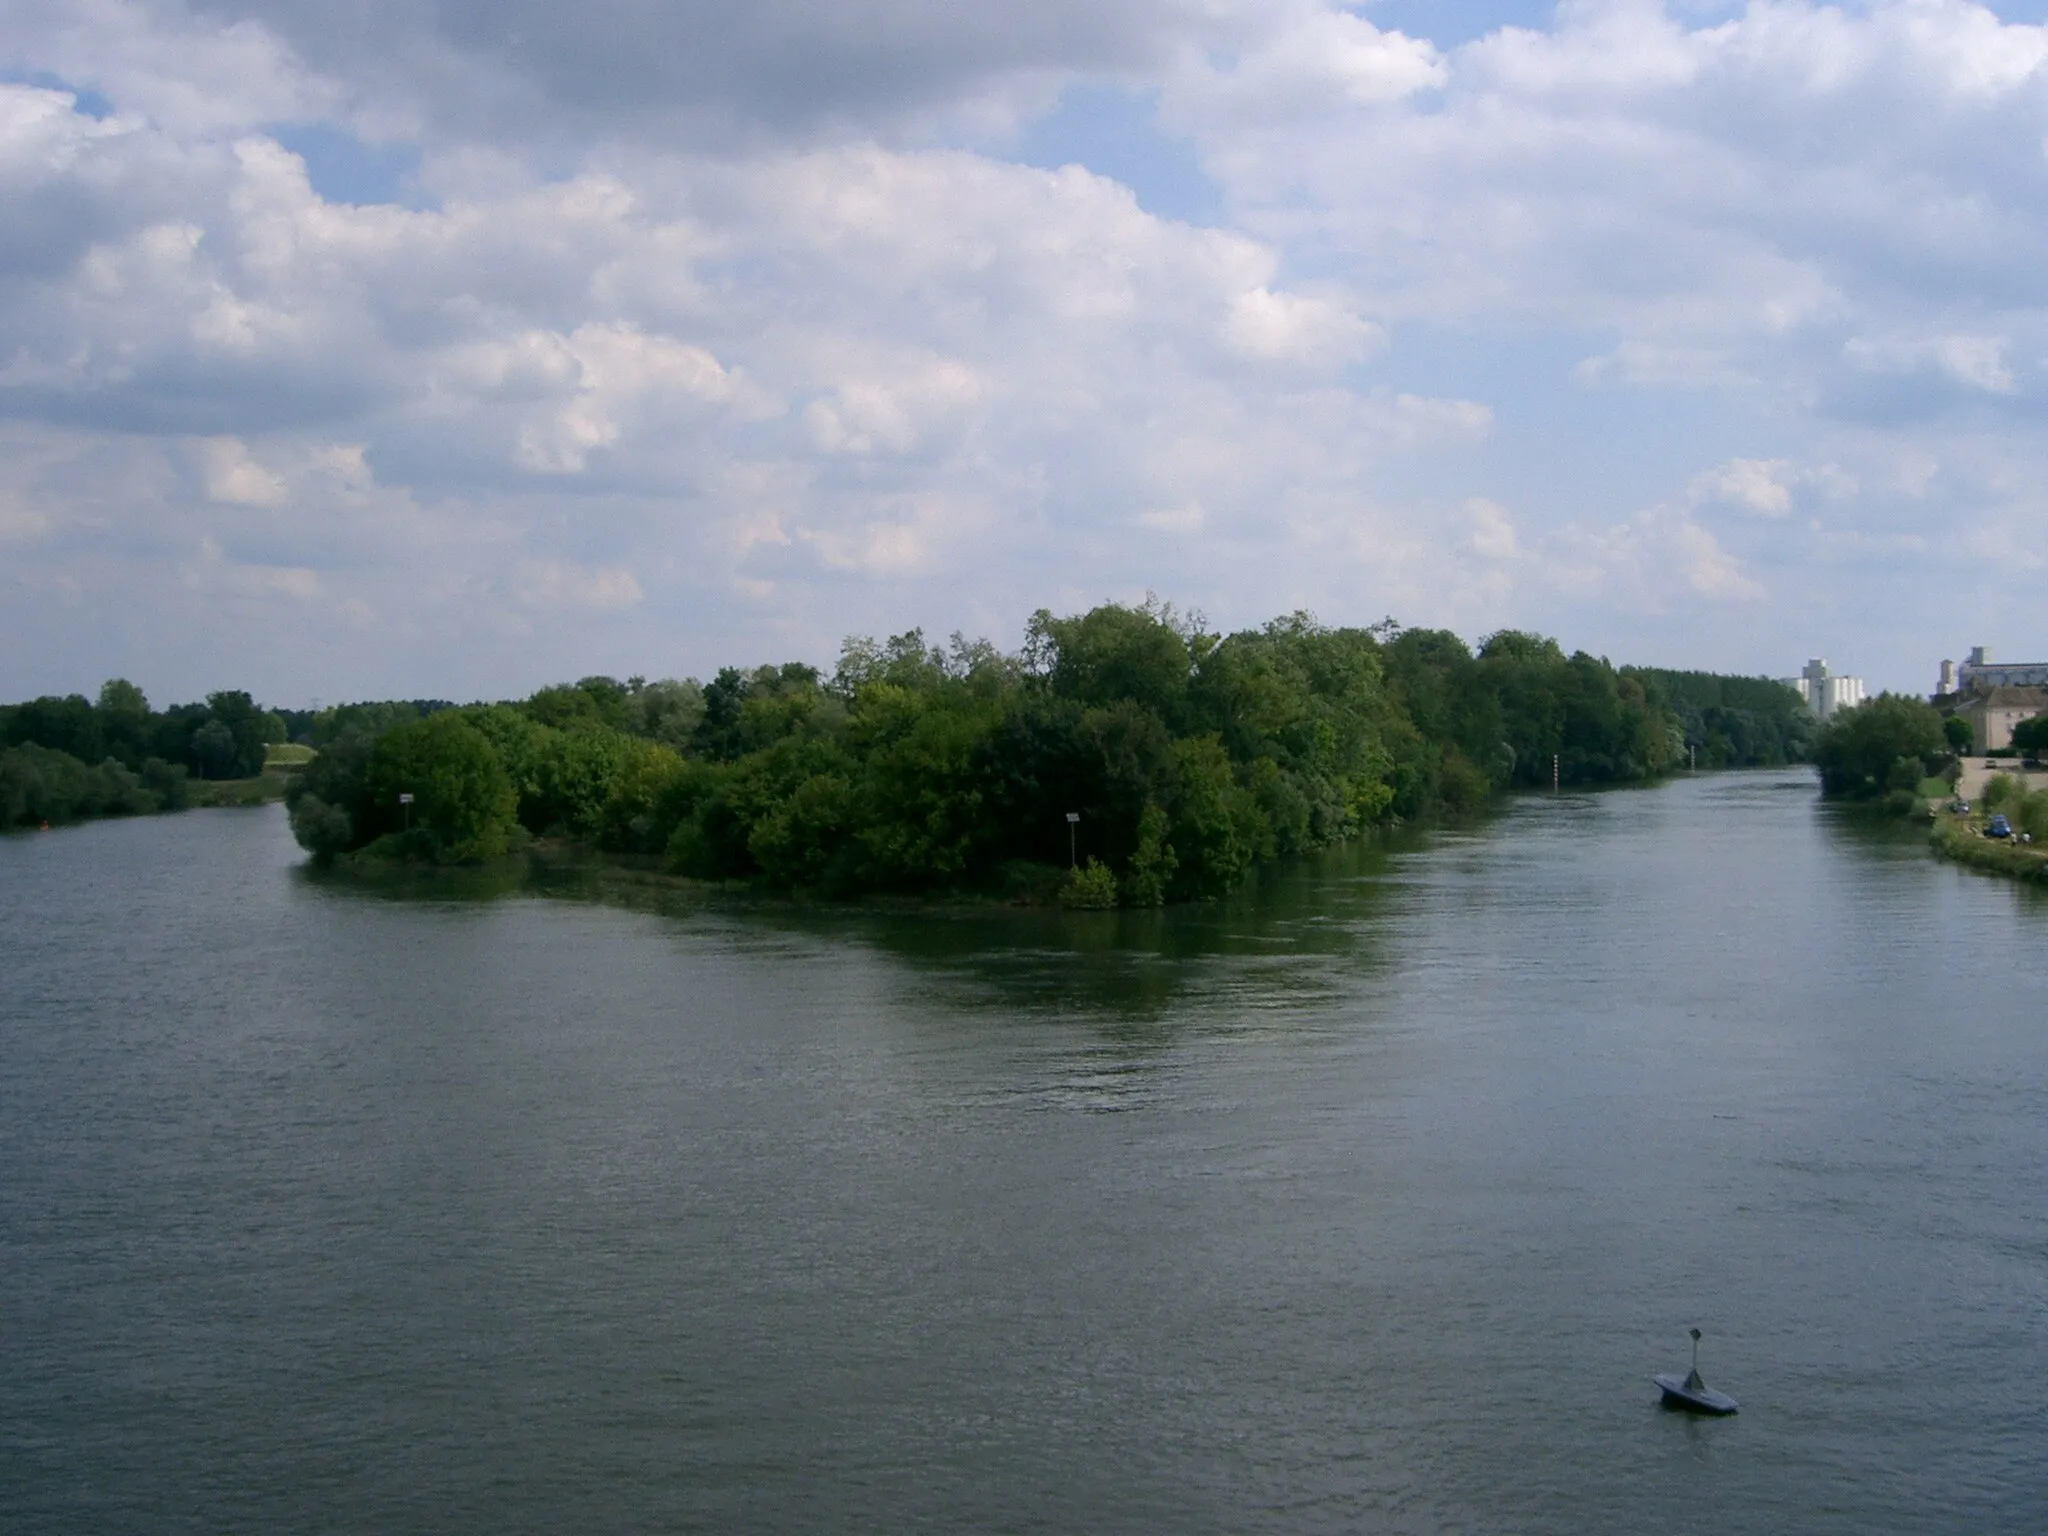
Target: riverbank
1962, 839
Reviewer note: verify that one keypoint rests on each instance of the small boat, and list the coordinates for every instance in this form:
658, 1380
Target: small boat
1691, 1393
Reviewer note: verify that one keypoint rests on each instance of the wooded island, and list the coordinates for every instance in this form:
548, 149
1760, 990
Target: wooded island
1187, 756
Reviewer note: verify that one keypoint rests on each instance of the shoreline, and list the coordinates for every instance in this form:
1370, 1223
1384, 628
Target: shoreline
1961, 840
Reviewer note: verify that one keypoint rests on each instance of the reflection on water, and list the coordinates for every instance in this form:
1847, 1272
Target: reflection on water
1364, 1201
1284, 939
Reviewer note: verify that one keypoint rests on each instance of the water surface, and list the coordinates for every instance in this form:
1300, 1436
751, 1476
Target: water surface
1366, 1202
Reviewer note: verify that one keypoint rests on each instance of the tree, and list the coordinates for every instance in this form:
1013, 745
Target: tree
463, 804
1859, 749
124, 721
1114, 654
1955, 729
665, 711
573, 776
2030, 736
69, 725
213, 751
249, 730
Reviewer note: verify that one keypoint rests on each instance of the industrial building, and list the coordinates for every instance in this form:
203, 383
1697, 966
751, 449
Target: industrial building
1823, 691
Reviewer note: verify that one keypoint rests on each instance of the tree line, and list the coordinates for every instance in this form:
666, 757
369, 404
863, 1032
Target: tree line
63, 759
1165, 759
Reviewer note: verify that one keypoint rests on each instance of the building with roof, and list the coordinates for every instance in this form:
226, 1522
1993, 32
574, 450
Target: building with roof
1979, 671
1993, 712
1993, 696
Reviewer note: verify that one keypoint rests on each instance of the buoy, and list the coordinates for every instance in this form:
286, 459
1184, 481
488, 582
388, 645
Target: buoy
1690, 1392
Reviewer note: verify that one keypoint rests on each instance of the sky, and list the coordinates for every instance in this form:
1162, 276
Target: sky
389, 349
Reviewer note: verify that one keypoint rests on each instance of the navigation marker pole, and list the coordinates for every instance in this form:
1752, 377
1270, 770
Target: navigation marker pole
1073, 820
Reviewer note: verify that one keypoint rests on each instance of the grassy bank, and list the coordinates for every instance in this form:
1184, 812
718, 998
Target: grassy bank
1962, 839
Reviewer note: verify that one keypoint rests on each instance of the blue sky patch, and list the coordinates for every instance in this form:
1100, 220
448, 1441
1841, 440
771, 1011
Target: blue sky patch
84, 99
344, 169
1115, 132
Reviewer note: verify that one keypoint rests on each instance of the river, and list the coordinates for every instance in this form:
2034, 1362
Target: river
1366, 1201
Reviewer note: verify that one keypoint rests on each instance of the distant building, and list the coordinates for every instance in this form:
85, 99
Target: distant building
1993, 712
1823, 691
1980, 671
1993, 696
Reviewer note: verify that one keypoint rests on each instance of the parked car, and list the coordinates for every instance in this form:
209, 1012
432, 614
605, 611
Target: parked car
1999, 827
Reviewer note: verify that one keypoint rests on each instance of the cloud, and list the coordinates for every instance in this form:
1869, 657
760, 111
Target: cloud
558, 584
1493, 533
1761, 486
1183, 520
528, 68
1282, 327
19, 523
219, 574
1314, 60
233, 476
1976, 362
714, 332
1649, 562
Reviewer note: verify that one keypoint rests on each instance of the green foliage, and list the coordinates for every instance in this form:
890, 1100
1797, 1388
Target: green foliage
323, 830
2029, 813
2030, 736
744, 712
1862, 750
124, 721
463, 802
69, 725
1093, 885
235, 736
666, 712
1186, 756
1955, 729
1114, 655
370, 718
1734, 722
520, 744
573, 774
1906, 774
40, 784
71, 757
166, 781
330, 799
636, 817
1153, 862
597, 702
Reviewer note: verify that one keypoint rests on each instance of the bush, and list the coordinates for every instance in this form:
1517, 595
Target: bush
168, 782
323, 830
2029, 813
1153, 864
1091, 886
39, 784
